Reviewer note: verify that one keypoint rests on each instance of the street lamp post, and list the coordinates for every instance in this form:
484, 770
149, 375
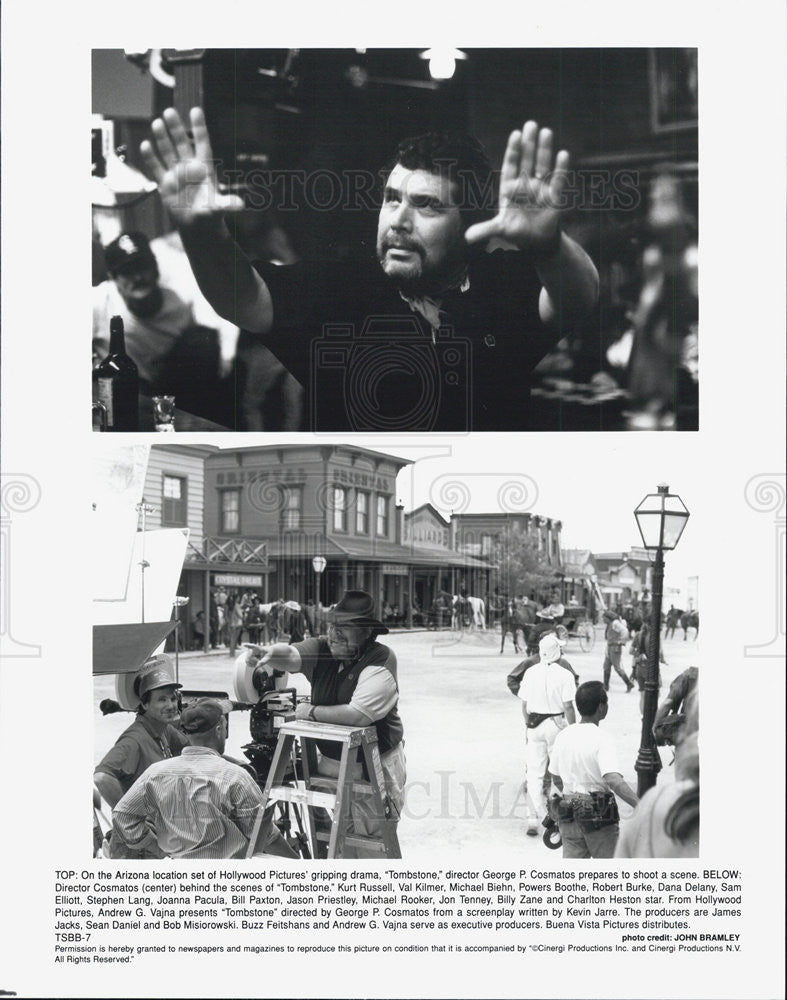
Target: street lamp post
143, 508
661, 518
178, 603
318, 565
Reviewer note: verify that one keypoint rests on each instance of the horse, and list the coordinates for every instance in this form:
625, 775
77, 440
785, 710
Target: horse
264, 618
671, 622
496, 605
633, 618
292, 621
468, 612
440, 612
690, 619
517, 617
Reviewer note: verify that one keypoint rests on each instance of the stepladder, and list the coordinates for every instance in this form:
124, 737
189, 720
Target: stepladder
348, 815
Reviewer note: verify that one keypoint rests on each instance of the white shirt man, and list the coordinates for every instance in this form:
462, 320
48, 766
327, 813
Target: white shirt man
547, 693
584, 764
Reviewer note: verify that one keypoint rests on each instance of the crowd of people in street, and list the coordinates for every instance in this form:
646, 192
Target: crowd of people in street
237, 617
242, 616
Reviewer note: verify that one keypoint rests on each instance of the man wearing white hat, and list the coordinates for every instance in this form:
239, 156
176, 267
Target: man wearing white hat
514, 682
547, 694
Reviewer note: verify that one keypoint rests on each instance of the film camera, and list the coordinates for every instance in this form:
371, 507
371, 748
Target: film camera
273, 707
268, 715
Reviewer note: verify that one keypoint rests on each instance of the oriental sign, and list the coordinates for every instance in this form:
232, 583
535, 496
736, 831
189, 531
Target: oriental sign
276, 475
353, 477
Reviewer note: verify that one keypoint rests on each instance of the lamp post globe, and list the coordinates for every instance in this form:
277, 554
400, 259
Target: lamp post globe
318, 565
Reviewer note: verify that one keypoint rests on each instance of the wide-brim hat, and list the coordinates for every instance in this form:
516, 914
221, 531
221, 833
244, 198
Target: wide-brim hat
609, 616
356, 608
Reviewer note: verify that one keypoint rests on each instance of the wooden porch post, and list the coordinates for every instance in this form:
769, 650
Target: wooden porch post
206, 598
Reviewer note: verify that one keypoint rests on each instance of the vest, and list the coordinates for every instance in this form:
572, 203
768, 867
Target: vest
330, 687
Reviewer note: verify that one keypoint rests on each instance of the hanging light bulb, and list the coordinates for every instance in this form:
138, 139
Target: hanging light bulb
442, 62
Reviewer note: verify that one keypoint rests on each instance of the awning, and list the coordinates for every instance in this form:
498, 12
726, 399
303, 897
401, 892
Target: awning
304, 546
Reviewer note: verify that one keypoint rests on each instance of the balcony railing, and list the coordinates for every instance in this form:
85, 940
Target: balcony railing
229, 550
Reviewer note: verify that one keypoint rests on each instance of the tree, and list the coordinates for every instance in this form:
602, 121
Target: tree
520, 567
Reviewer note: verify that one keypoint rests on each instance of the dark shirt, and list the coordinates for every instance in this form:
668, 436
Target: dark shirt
137, 748
368, 362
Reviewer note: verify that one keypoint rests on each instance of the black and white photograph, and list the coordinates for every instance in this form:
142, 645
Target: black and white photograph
408, 621
396, 239
307, 588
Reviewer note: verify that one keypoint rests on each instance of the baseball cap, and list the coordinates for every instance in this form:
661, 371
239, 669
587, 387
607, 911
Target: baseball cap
201, 717
127, 252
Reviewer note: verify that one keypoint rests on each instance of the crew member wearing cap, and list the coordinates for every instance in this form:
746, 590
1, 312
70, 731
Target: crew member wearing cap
197, 805
616, 635
547, 694
353, 683
150, 738
154, 316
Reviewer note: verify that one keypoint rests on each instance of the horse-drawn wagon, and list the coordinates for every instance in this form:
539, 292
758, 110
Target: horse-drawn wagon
576, 624
573, 624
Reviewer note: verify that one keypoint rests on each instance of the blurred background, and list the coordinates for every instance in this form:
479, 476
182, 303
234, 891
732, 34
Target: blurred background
286, 123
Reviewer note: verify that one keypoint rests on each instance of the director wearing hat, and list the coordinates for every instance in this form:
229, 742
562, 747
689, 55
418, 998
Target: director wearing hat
353, 683
151, 737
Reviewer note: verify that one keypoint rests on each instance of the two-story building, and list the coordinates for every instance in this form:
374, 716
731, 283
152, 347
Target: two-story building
442, 568
259, 517
304, 501
481, 536
624, 577
580, 580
